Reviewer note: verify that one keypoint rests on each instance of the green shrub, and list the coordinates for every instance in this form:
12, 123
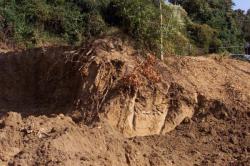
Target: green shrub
31, 22
205, 37
95, 25
140, 19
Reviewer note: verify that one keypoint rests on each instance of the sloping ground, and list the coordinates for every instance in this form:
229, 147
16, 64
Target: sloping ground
100, 105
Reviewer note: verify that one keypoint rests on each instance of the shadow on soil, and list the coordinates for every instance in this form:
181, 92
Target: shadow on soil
40, 81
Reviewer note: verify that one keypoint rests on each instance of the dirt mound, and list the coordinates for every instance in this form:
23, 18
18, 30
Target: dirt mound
87, 106
103, 82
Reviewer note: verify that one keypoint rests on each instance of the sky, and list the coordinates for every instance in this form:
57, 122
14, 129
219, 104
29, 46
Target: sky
242, 4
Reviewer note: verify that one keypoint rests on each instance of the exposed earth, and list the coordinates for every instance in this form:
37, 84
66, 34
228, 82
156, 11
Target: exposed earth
104, 104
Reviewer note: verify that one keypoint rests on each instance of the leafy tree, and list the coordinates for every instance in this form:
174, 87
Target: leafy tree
139, 18
217, 14
205, 37
246, 29
24, 21
213, 23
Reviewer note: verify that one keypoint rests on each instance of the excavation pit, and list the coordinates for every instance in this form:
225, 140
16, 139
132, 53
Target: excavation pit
38, 81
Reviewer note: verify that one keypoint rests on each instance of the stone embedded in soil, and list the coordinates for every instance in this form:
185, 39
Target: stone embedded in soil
234, 140
191, 135
213, 132
12, 119
187, 120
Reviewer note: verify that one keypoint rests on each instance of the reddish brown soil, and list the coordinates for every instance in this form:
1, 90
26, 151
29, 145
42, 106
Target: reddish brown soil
41, 124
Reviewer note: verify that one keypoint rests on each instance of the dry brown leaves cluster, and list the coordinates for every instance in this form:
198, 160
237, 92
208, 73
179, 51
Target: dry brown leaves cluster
147, 69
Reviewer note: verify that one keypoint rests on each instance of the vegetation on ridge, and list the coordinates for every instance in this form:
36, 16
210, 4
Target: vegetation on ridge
204, 26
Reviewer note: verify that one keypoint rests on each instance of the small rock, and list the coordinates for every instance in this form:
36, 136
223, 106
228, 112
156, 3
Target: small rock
213, 132
66, 129
190, 135
233, 140
193, 151
27, 130
187, 120
61, 116
26, 139
12, 119
42, 133
53, 130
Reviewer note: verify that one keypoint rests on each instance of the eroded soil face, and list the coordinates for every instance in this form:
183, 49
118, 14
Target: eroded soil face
38, 81
105, 105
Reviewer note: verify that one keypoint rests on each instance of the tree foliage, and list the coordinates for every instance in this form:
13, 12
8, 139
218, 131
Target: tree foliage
218, 15
140, 19
243, 22
207, 25
72, 21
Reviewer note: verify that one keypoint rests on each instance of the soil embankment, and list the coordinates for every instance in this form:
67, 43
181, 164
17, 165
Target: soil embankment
106, 105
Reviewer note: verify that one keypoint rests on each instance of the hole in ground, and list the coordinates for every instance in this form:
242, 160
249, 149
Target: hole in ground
38, 81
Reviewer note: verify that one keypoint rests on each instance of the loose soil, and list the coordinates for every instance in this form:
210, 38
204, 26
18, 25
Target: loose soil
104, 104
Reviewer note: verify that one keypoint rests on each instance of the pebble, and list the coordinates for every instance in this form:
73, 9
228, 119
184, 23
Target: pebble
213, 132
233, 140
190, 135
187, 120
